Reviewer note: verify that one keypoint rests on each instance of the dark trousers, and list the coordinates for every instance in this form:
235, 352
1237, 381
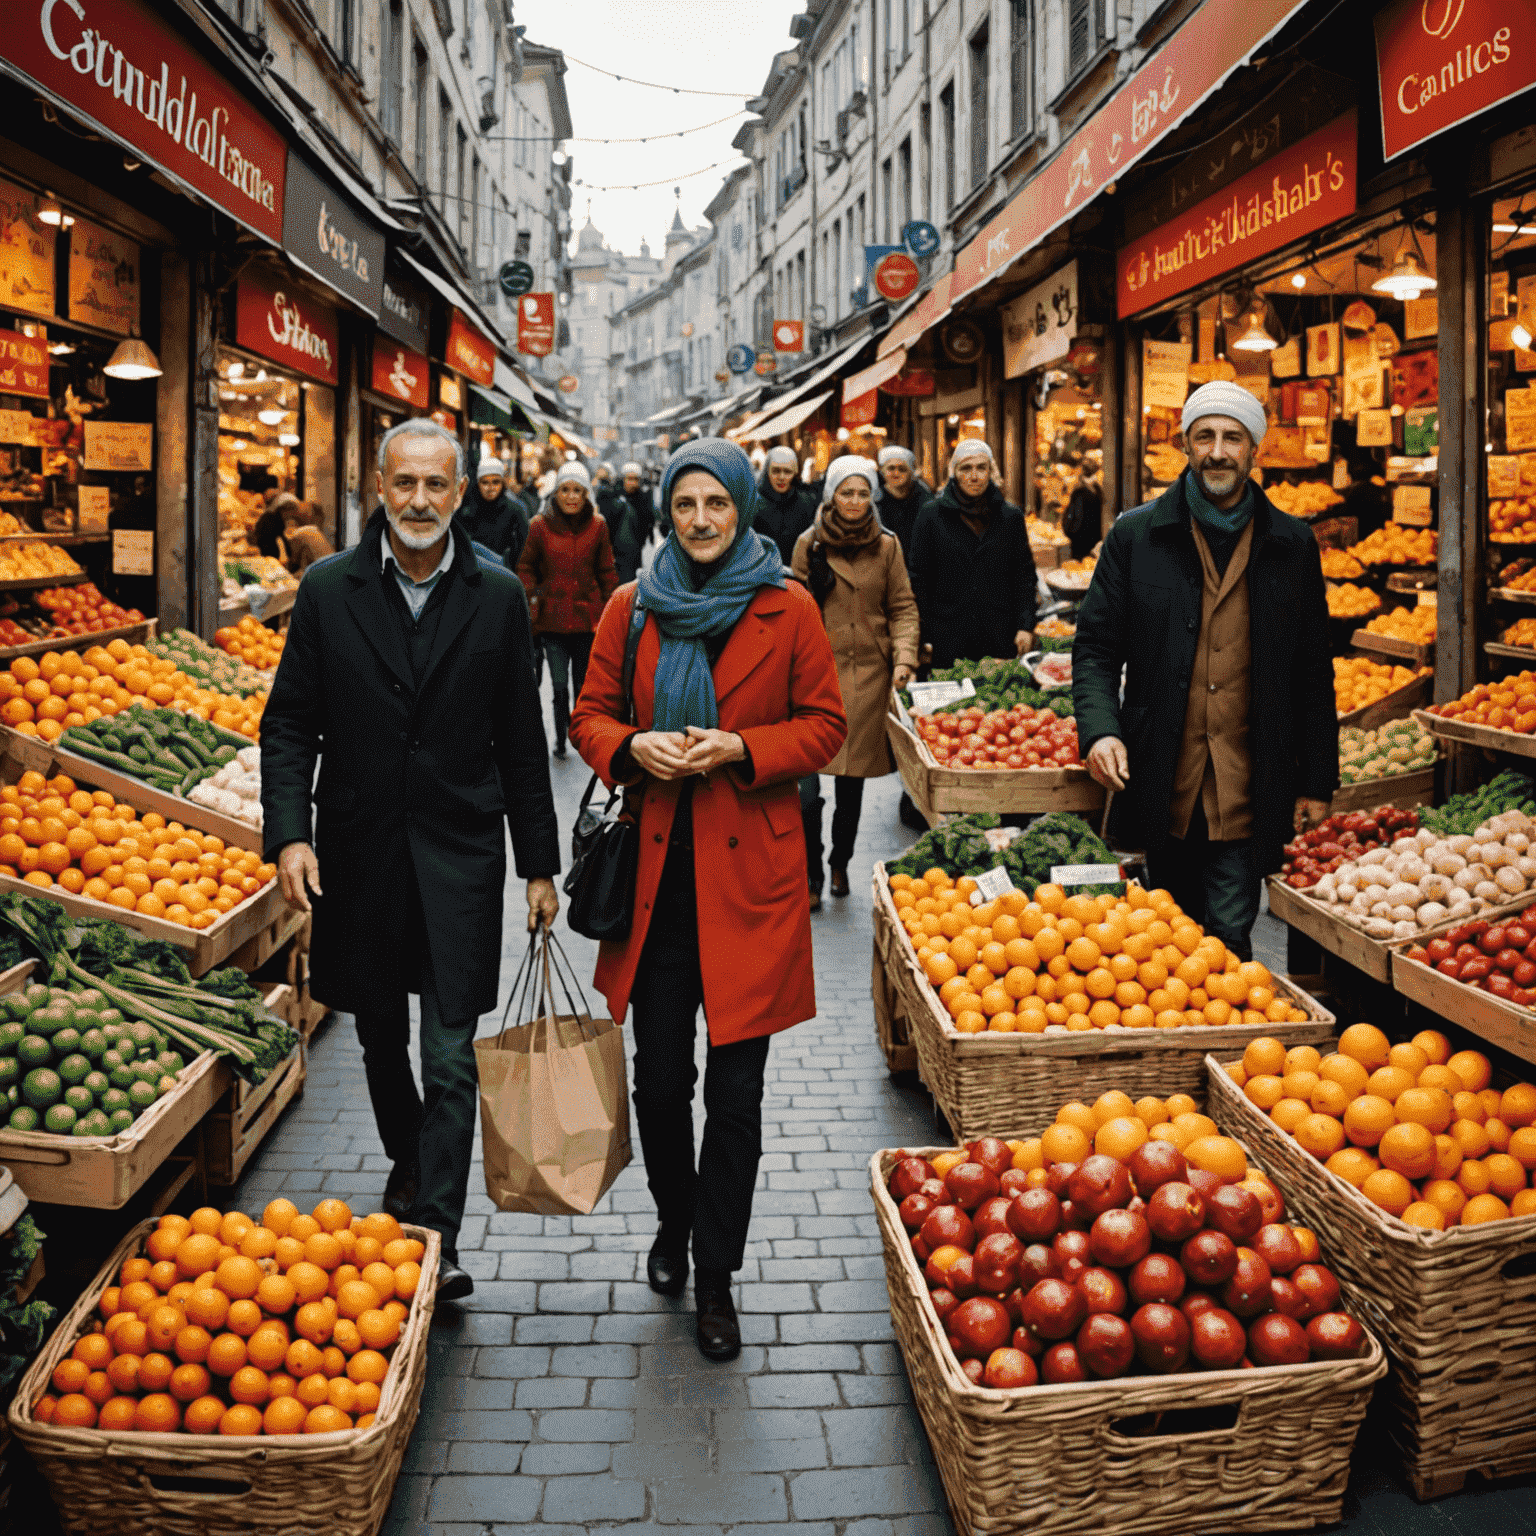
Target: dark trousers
713, 1201
1215, 883
847, 802
437, 1135
567, 655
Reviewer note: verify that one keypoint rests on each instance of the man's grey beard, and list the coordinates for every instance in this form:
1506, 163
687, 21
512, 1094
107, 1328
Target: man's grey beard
413, 540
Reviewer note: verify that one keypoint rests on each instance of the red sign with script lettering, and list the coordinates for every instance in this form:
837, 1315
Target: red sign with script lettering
470, 352
272, 319
400, 372
536, 324
1161, 94
1288, 196
23, 365
1440, 62
127, 69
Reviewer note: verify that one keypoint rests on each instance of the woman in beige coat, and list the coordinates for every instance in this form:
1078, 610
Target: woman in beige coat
857, 572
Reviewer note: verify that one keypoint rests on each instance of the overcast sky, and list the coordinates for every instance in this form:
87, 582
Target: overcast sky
711, 45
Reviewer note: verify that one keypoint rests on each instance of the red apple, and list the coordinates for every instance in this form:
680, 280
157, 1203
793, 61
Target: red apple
993, 1154
1120, 1238
997, 1259
1275, 1339
1247, 1292
960, 1277
1008, 1369
1024, 1340
1175, 1212
1217, 1340
1058, 1176
1157, 1277
1013, 1181
1061, 1363
1106, 1345
969, 1184
1162, 1337
1209, 1258
1193, 1303
978, 1326
1039, 1263
1335, 1336
1285, 1298
991, 1216
1100, 1184
947, 1224
973, 1371
1204, 1182
1277, 1243
944, 1302
1235, 1211
1103, 1290
908, 1176
1053, 1309
1155, 1163
1318, 1288
1034, 1216
914, 1211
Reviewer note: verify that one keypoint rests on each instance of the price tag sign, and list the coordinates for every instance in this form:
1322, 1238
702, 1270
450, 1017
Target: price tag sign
927, 697
133, 552
1086, 874
991, 884
1411, 505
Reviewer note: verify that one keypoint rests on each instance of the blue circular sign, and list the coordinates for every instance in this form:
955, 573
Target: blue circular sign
740, 359
921, 238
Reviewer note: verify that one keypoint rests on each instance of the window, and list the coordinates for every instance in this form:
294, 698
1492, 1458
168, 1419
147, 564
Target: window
444, 149
859, 79
800, 285
947, 142
821, 269
476, 255
856, 237
1085, 33
980, 49
421, 88
392, 104
520, 132
904, 183
925, 140
885, 200
837, 267
344, 30
827, 107
1020, 69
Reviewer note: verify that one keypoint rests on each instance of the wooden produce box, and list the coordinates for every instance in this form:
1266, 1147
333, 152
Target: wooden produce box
1097, 1456
938, 791
287, 924
1455, 1309
1523, 654
1494, 738
245, 1112
893, 1027
1397, 705
134, 634
107, 1171
1490, 1018
1405, 651
996, 1084
107, 1483
1405, 790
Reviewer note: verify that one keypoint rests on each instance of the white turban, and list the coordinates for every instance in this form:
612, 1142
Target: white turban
892, 454
850, 464
970, 448
1221, 397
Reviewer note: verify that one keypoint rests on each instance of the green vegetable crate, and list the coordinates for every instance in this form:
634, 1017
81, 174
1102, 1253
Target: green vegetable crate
106, 1171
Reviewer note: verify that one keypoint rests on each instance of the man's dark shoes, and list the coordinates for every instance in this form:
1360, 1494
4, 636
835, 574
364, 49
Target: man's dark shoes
453, 1283
839, 882
815, 901
560, 751
400, 1190
666, 1266
719, 1333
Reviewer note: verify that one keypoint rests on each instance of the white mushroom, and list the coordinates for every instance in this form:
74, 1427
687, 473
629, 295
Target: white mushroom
1403, 913
1518, 842
1345, 891
1487, 890
1381, 909
1375, 856
1325, 888
1447, 864
1379, 928
1412, 869
1402, 894
1431, 913
1459, 842
1496, 855
1404, 930
1510, 879
1434, 887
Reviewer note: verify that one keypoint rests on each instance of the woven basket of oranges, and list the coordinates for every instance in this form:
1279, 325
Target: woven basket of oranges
223, 1374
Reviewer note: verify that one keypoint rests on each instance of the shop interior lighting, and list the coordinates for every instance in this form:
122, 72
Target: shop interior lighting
1520, 334
1298, 279
49, 211
842, 434
271, 415
132, 360
60, 348
1255, 337
954, 421
1407, 279
288, 439
236, 369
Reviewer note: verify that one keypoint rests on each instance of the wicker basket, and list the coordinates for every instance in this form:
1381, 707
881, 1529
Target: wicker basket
1001, 1085
109, 1484
1052, 1460
1456, 1310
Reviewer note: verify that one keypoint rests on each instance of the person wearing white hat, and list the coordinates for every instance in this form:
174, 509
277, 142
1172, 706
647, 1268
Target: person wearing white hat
903, 495
1211, 601
785, 506
492, 515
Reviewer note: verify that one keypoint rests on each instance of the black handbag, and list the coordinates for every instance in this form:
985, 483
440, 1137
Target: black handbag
605, 847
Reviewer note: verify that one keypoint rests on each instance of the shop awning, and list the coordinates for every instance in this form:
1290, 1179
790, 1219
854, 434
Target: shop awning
450, 291
491, 408
671, 413
820, 376
740, 402
878, 372
926, 312
509, 383
1214, 42
787, 421
566, 434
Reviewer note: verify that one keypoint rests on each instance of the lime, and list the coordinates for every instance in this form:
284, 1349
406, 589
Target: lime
66, 1042
90, 998
15, 1005
23, 1118
80, 1098
93, 1043
75, 1068
50, 1020
13, 1095
170, 1062
10, 1072
123, 1076
38, 996
86, 1018
141, 1034
34, 1051
113, 1100
100, 1124
141, 1095
147, 1071
11, 1034
113, 1032
119, 1121
111, 1060
110, 1016
60, 1119
42, 1087
98, 1082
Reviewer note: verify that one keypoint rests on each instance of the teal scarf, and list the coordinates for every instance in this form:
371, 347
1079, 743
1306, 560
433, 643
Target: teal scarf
1210, 516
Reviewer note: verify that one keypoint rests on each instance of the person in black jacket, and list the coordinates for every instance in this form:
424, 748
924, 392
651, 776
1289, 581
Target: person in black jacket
631, 522
785, 507
492, 516
972, 571
1211, 599
408, 666
905, 495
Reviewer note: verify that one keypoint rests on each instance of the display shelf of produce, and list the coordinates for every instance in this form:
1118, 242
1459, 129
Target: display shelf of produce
65, 539
1071, 585
36, 583
134, 634
1513, 595
1401, 789
133, 1483
1048, 557
1490, 736
1520, 653
106, 1171
937, 791
244, 1112
1397, 705
1001, 1084
1404, 651
1456, 1309
1417, 578
1490, 1018
279, 603
1058, 1459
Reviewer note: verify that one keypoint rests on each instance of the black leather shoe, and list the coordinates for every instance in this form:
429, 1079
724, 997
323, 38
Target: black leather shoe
453, 1283
560, 751
815, 901
400, 1190
839, 882
719, 1332
666, 1267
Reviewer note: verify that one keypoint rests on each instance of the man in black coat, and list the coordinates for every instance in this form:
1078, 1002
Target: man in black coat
1226, 741
492, 516
408, 672
627, 510
972, 572
785, 507
904, 495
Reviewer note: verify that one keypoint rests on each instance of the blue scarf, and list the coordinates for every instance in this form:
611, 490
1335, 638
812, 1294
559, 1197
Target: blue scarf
1211, 517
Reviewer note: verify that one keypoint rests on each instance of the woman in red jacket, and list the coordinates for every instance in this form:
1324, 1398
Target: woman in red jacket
736, 696
567, 567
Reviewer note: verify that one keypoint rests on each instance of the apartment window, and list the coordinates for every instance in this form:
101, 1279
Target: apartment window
1020, 69
837, 267
980, 51
344, 30
519, 131
444, 149
859, 80
476, 255
421, 90
886, 213
800, 284
856, 240
392, 102
827, 104
1085, 33
904, 183
822, 286
925, 142
947, 141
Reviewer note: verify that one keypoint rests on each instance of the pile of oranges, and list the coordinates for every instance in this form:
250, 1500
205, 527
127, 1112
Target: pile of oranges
55, 835
1358, 681
1509, 704
1022, 966
252, 642
1416, 1128
228, 1327
41, 696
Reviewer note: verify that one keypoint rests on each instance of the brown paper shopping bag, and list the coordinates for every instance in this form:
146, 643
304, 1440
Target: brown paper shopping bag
554, 1104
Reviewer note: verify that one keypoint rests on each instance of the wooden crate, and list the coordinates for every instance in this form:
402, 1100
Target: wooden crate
1401, 789
1393, 649
996, 1084
106, 1171
287, 924
246, 1112
134, 634
1488, 1017
1397, 705
305, 1014
1523, 654
892, 1028
1494, 738
1271, 1453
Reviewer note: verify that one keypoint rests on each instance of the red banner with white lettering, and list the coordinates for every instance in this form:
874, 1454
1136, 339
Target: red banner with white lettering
859, 411
23, 365
127, 69
1288, 196
400, 372
469, 352
536, 324
273, 319
1440, 62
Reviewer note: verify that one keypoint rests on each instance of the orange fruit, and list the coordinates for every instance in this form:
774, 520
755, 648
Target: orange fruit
258, 1243
1217, 1154
1321, 1135
1389, 1083
191, 1344
1481, 1208
244, 1317
1120, 1137
408, 1277
155, 1371
1368, 1119
314, 1321
248, 1385
358, 1296
1352, 1165
378, 1329
332, 1361
1447, 1197
202, 1417
118, 1413
276, 1294
242, 1419
346, 1337
158, 1414
197, 1254
303, 1359
1429, 1107
1506, 1177
1388, 1189
1473, 1068
310, 1282
71, 1375
1423, 1214
368, 1365
1517, 1106
403, 1249
208, 1307
1265, 1090
333, 1215
284, 1416
1058, 1144
1409, 1149
226, 1354
1434, 1045
239, 1278
267, 1348
190, 1382
323, 1419
1345, 1071
1264, 1056
342, 1394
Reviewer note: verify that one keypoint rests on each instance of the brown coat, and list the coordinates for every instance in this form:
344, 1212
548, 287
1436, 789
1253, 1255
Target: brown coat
871, 620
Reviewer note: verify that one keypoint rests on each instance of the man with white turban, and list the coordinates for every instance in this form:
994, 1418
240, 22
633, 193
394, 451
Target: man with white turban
1226, 742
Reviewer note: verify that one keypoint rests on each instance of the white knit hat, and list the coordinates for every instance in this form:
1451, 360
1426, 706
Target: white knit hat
892, 453
784, 455
630, 468
490, 465
575, 470
1221, 397
970, 448
850, 464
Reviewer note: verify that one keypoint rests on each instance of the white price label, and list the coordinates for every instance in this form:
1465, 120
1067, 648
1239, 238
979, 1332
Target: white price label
1086, 874
927, 697
991, 884
133, 552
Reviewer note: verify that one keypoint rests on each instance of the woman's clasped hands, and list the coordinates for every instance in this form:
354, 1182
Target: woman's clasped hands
676, 754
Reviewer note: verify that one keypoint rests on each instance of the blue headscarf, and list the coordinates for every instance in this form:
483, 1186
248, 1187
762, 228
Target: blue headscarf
688, 610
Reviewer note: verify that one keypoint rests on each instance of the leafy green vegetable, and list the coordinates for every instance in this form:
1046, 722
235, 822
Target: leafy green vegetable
1463, 814
22, 1324
960, 847
1000, 684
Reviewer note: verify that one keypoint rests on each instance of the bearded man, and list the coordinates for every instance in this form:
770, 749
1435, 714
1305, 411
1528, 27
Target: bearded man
408, 674
1211, 599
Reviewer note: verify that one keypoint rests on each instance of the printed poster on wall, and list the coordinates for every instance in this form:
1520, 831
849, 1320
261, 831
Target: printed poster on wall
1040, 326
1164, 373
103, 278
26, 253
123, 445
23, 364
1323, 356
94, 508
1519, 419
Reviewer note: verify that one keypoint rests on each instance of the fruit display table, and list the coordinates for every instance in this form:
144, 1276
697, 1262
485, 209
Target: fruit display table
1490, 1018
134, 634
1493, 738
1397, 705
1405, 651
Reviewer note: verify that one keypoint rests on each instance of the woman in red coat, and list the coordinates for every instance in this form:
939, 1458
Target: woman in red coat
736, 696
567, 567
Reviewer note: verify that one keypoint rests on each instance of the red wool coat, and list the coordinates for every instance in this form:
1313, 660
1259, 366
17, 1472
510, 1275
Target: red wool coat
776, 683
569, 568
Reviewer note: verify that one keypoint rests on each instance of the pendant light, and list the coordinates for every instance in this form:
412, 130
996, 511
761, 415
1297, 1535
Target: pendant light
1255, 337
271, 416
50, 211
1407, 279
133, 360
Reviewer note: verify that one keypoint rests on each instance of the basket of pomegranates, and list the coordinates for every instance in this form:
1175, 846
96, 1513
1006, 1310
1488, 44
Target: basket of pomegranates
1455, 1305
1120, 1346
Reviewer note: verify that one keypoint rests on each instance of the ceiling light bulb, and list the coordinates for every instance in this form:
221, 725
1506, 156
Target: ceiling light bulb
288, 439
261, 375
1407, 279
133, 360
1298, 280
1255, 338
236, 369
1520, 334
270, 416
60, 348
50, 212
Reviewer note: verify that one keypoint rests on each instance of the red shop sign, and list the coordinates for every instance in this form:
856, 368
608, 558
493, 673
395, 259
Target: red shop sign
400, 372
860, 411
23, 365
536, 324
1440, 62
910, 381
470, 352
1288, 196
271, 319
896, 276
126, 70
